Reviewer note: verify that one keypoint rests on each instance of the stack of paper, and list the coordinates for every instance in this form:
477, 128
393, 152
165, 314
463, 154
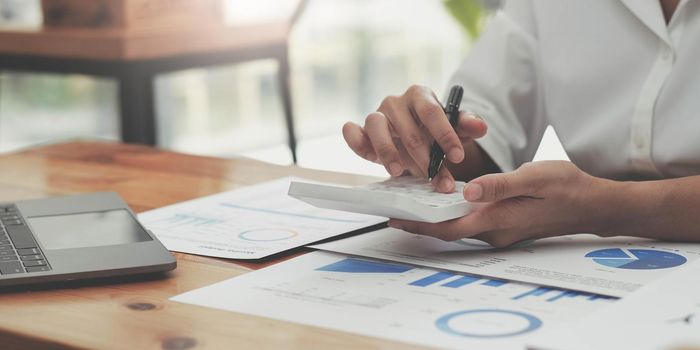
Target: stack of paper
662, 315
398, 302
248, 223
465, 294
612, 266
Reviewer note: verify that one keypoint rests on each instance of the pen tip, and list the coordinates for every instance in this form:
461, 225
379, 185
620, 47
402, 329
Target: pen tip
431, 175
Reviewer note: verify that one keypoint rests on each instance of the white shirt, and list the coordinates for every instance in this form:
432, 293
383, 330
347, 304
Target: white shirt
619, 86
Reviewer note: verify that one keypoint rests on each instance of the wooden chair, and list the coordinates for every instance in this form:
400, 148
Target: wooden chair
135, 56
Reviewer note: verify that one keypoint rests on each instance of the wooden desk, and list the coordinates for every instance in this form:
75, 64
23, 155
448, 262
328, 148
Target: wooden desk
136, 314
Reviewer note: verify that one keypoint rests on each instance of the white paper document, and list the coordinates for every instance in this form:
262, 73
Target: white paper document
609, 266
662, 315
248, 223
398, 302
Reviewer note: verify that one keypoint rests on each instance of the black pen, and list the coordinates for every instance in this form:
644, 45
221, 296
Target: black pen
437, 155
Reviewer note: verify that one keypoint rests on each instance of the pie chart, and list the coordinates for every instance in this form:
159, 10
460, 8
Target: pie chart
636, 259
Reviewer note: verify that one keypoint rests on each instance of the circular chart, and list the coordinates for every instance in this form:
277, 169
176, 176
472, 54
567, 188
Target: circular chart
636, 259
267, 234
488, 323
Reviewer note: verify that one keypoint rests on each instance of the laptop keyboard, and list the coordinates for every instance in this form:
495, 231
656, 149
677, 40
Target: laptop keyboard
19, 252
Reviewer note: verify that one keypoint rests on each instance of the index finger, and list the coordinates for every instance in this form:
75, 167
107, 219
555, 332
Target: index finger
470, 126
430, 113
357, 139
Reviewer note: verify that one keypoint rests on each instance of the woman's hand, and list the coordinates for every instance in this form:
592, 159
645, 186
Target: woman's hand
539, 199
399, 135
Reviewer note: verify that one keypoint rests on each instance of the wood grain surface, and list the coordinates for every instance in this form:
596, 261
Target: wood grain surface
117, 44
134, 313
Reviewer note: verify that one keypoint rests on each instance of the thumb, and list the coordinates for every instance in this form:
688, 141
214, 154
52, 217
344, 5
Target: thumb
496, 187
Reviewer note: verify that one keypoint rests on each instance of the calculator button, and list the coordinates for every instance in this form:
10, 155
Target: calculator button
8, 258
7, 252
6, 247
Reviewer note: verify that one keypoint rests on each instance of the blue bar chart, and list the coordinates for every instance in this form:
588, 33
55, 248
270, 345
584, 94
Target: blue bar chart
352, 265
495, 283
432, 279
462, 281
554, 294
451, 280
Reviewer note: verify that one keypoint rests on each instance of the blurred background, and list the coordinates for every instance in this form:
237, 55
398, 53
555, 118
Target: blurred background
344, 57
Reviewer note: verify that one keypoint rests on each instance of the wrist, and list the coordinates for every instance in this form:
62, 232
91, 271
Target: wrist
621, 208
600, 206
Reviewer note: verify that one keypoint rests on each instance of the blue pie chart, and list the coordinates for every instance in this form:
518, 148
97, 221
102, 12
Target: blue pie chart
636, 259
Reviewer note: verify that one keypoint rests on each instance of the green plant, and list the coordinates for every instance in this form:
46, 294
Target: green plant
470, 14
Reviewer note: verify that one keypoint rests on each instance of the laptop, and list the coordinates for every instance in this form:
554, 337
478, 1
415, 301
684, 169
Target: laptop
75, 237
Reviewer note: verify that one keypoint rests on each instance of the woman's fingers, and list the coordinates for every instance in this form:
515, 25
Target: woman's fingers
444, 181
497, 187
483, 218
429, 111
408, 131
470, 126
358, 141
378, 131
473, 224
399, 135
408, 162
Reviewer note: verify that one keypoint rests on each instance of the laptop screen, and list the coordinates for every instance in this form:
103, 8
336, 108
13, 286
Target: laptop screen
102, 228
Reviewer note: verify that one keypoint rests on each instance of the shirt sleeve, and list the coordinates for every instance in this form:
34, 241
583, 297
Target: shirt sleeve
500, 79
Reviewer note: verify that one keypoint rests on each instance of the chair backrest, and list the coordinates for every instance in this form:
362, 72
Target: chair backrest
298, 11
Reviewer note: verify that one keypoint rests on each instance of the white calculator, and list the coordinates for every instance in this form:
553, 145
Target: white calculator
408, 198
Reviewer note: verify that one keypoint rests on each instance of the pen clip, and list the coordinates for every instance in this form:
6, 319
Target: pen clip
455, 98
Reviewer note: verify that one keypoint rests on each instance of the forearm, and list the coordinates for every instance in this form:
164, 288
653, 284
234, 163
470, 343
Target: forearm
663, 209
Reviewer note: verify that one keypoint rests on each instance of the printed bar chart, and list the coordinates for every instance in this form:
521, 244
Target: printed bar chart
495, 283
463, 281
565, 294
450, 280
561, 294
535, 292
351, 265
432, 279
